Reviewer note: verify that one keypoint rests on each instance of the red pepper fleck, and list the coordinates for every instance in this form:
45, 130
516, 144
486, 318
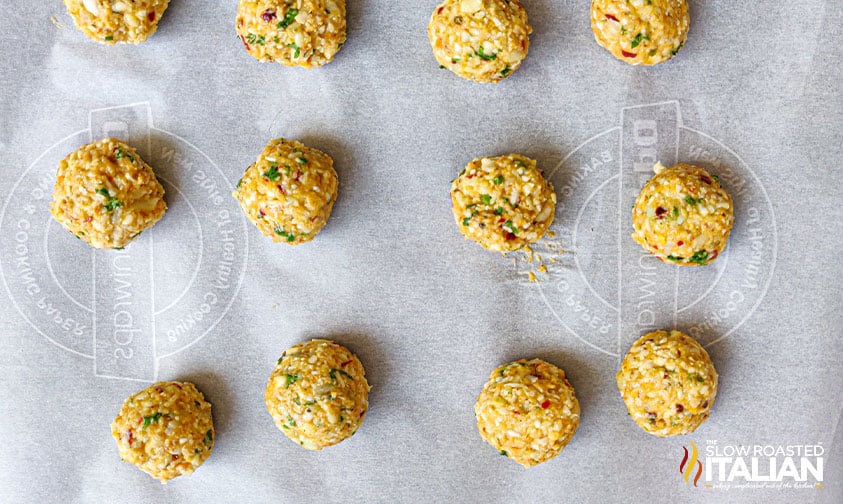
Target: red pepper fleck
706, 179
501, 220
516, 412
346, 363
151, 17
510, 237
298, 174
680, 243
613, 18
280, 188
546, 404
268, 15
714, 254
88, 219
656, 247
660, 211
472, 175
680, 408
260, 211
679, 353
440, 10
705, 404
628, 54
131, 436
524, 45
665, 376
175, 456
243, 39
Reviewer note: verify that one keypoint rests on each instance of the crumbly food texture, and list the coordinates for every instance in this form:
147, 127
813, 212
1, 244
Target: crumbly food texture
528, 411
106, 195
480, 40
668, 383
503, 203
117, 21
289, 192
683, 216
641, 32
318, 394
166, 430
305, 33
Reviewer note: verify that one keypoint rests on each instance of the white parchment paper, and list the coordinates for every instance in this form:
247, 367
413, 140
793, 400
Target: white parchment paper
755, 96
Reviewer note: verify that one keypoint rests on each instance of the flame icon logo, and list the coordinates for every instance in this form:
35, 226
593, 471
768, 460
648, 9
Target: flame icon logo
687, 466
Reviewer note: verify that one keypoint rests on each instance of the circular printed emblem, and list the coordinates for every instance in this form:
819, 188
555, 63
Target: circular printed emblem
604, 288
126, 309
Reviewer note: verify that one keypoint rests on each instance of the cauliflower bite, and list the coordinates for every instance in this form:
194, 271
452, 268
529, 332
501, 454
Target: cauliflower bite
480, 40
503, 203
305, 33
683, 216
165, 430
106, 195
527, 411
318, 394
288, 193
640, 32
116, 21
668, 383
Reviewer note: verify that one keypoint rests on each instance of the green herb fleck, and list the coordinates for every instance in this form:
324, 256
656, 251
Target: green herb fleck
482, 55
442, 67
111, 204
147, 420
255, 39
499, 210
695, 377
503, 452
288, 19
466, 221
675, 258
506, 71
103, 191
455, 60
272, 173
197, 451
280, 359
653, 52
297, 52
291, 421
511, 227
334, 372
240, 182
637, 40
119, 154
691, 201
291, 379
301, 160
699, 257
623, 30
486, 199
675, 211
109, 38
209, 438
673, 52
716, 178
498, 180
520, 163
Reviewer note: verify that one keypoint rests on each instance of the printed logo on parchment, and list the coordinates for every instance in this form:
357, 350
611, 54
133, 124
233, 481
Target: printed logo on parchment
165, 291
740, 466
602, 286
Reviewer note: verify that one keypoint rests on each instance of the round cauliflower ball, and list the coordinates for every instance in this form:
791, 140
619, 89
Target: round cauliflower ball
668, 383
503, 203
527, 411
683, 216
318, 394
106, 195
288, 193
640, 32
480, 40
165, 430
117, 21
305, 33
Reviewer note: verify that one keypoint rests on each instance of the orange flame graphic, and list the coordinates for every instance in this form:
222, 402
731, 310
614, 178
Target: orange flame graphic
686, 467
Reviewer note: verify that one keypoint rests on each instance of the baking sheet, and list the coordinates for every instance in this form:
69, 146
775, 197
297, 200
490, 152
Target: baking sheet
754, 96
